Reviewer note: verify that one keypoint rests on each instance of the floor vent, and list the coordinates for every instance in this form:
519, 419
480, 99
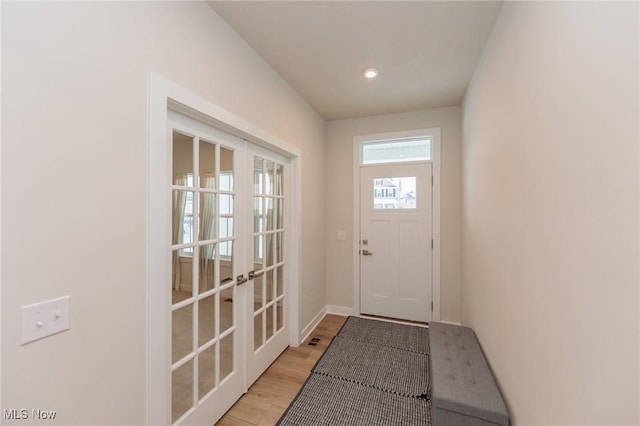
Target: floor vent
314, 341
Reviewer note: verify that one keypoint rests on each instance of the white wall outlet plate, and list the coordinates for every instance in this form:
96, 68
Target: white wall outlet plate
43, 319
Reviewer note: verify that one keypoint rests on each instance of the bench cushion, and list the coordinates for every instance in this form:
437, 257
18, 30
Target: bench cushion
463, 389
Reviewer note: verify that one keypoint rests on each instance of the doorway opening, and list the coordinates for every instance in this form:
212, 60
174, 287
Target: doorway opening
212, 213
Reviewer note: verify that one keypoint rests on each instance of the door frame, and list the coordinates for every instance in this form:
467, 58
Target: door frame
164, 95
358, 141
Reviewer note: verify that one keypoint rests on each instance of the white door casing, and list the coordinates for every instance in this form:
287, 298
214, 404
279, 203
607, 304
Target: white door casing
359, 141
165, 97
395, 254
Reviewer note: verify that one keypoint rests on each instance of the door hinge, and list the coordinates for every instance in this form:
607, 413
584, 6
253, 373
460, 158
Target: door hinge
432, 243
432, 306
431, 180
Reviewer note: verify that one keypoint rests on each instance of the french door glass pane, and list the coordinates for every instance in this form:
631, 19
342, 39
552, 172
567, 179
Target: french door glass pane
181, 390
182, 332
257, 214
257, 330
226, 262
269, 214
226, 227
226, 356
258, 292
206, 371
268, 182
182, 217
226, 205
258, 252
280, 247
257, 175
268, 250
226, 181
226, 309
206, 267
279, 180
207, 166
280, 213
226, 169
269, 324
279, 318
269, 285
182, 159
181, 274
279, 280
207, 216
206, 319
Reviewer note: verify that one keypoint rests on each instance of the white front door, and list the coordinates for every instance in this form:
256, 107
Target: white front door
396, 241
229, 202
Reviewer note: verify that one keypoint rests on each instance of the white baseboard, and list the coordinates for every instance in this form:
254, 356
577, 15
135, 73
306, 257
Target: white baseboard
314, 322
345, 311
450, 322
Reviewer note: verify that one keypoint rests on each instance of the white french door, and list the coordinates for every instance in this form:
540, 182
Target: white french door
268, 332
207, 332
228, 235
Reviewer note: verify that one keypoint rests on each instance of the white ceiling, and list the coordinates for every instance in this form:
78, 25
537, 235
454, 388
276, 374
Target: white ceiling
425, 51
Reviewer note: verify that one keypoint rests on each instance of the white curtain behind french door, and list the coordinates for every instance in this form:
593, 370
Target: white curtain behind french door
227, 315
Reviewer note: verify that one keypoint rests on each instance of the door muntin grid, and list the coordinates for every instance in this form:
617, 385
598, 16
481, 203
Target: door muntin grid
269, 202
202, 283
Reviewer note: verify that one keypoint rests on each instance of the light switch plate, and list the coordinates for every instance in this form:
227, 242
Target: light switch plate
43, 319
342, 235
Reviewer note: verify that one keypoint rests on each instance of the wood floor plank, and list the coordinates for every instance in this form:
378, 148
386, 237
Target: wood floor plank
269, 397
229, 420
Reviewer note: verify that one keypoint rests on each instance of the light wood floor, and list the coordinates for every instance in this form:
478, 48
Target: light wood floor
271, 394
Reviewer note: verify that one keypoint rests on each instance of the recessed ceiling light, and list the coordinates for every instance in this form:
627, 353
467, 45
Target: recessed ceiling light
371, 73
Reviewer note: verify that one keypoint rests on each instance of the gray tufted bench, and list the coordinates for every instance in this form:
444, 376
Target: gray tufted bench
463, 392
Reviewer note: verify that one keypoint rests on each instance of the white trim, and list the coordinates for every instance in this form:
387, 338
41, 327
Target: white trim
1, 341
451, 322
357, 159
436, 222
435, 160
344, 311
162, 95
305, 332
295, 240
158, 400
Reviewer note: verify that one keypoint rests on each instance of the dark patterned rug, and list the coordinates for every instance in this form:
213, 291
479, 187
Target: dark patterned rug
372, 373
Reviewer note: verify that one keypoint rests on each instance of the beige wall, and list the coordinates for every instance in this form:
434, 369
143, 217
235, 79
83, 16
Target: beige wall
339, 209
74, 153
551, 210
